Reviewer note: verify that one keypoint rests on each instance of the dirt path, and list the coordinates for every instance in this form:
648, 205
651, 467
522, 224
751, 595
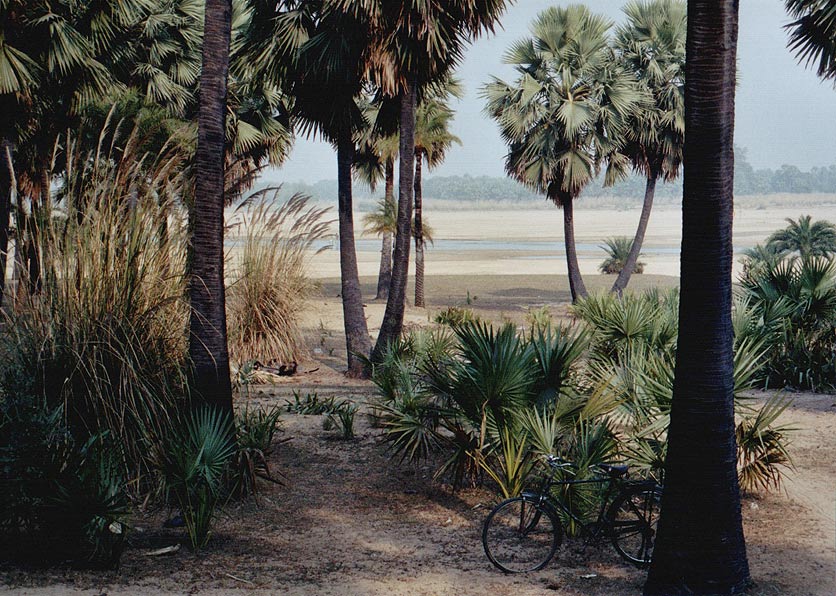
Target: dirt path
350, 521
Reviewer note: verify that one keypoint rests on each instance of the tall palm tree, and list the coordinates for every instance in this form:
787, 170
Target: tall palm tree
813, 34
417, 44
208, 350
806, 237
320, 52
432, 141
565, 113
700, 547
651, 46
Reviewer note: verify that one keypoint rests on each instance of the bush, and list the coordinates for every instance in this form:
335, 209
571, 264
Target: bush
618, 249
193, 458
62, 498
255, 431
269, 286
341, 418
454, 316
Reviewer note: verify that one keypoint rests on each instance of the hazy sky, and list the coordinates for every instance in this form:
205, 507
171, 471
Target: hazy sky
785, 115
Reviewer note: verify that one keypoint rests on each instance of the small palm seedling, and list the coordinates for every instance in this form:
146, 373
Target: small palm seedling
762, 447
341, 418
618, 249
310, 404
194, 457
255, 431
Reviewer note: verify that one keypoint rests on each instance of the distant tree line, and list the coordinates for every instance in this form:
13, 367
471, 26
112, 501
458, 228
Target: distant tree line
747, 181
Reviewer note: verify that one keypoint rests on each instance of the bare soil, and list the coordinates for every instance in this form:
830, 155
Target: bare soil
350, 520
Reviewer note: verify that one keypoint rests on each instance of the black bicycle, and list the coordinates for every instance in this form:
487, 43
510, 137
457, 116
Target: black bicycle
523, 533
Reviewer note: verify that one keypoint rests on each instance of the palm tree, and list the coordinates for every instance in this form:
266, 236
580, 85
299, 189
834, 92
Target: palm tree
388, 149
813, 34
208, 350
700, 547
432, 141
321, 51
565, 112
806, 237
417, 43
651, 45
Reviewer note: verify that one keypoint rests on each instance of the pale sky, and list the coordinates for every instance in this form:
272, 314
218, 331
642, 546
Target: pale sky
785, 115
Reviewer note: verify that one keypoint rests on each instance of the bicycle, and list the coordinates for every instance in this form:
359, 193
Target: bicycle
523, 533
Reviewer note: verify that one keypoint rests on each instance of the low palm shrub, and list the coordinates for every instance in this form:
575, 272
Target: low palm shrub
255, 431
341, 419
618, 249
192, 459
268, 284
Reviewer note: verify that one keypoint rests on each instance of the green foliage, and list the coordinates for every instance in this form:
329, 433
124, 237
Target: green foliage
193, 458
254, 431
309, 404
762, 447
789, 304
804, 237
617, 249
454, 316
341, 419
538, 318
63, 497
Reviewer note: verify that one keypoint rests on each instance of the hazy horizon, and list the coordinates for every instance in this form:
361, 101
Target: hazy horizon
772, 124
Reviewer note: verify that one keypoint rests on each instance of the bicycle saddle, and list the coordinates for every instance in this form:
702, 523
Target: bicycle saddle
614, 470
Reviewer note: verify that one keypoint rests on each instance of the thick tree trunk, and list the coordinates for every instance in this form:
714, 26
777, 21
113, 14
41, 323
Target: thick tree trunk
700, 547
633, 257
576, 285
384, 278
357, 340
419, 233
390, 329
208, 348
5, 210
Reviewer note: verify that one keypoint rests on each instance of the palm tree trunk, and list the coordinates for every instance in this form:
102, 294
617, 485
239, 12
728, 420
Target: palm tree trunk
576, 285
5, 210
700, 547
384, 277
419, 233
632, 258
208, 348
357, 340
392, 325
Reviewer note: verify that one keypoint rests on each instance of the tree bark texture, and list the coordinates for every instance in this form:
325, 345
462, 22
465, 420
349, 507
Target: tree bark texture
384, 277
633, 257
576, 285
5, 211
392, 325
208, 348
357, 341
700, 548
419, 232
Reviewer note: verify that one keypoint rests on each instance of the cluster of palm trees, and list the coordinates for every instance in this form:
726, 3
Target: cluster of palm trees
583, 101
248, 72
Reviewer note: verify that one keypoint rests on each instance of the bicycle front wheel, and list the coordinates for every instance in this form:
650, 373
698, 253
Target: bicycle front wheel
519, 535
633, 517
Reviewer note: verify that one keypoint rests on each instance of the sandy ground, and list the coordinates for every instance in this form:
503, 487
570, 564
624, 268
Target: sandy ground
351, 521
592, 226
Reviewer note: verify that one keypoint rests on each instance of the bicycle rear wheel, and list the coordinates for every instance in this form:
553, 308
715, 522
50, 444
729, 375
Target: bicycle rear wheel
519, 535
633, 517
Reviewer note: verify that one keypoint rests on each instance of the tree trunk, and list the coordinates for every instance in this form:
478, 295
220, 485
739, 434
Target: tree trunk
357, 340
419, 234
633, 257
5, 210
384, 278
700, 547
576, 286
390, 329
208, 348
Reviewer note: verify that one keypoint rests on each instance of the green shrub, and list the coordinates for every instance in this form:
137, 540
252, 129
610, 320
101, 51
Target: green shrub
63, 498
255, 431
618, 249
455, 316
310, 404
193, 458
341, 418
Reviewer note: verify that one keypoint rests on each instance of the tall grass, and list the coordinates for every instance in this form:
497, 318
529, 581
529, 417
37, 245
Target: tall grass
105, 336
269, 285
